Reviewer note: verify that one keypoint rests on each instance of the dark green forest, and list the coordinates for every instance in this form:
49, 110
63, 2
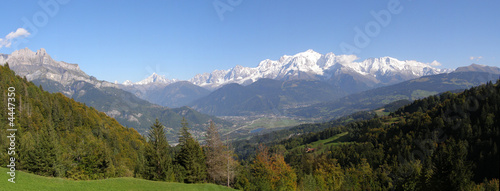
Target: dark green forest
60, 137
443, 142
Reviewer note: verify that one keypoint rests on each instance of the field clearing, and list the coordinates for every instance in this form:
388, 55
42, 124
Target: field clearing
337, 140
27, 181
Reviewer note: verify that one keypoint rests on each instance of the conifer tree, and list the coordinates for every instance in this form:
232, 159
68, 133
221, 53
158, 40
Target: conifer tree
158, 161
191, 157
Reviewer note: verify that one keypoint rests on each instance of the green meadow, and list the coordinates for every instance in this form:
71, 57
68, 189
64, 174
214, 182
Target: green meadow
27, 181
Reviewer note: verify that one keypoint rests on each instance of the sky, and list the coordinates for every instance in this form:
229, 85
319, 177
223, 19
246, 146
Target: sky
129, 40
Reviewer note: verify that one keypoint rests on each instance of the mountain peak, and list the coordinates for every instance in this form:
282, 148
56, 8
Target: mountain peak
329, 67
310, 53
154, 78
23, 52
41, 52
27, 53
40, 65
479, 68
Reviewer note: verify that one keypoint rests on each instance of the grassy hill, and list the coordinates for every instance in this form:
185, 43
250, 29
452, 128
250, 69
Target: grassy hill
27, 181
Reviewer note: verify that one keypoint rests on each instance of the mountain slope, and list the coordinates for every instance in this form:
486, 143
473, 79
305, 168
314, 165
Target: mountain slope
340, 71
129, 110
132, 111
174, 94
40, 65
266, 96
410, 90
58, 136
445, 142
452, 137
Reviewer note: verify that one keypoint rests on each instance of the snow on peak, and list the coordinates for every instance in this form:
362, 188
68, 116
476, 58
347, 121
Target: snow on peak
154, 78
309, 54
128, 83
311, 64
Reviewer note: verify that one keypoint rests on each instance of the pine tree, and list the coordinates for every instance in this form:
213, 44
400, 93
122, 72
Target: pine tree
190, 157
158, 161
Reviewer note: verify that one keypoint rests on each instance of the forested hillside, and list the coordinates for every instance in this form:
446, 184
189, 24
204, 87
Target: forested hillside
411, 90
131, 111
60, 137
445, 142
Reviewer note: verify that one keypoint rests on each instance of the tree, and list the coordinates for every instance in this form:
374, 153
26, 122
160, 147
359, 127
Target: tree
158, 161
451, 169
262, 170
58, 136
215, 160
231, 163
284, 178
272, 173
219, 158
328, 174
190, 157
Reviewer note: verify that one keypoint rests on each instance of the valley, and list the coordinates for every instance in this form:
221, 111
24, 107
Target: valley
249, 126
305, 123
250, 95
269, 98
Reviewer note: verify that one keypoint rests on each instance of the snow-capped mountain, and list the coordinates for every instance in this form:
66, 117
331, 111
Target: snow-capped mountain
328, 67
153, 79
151, 89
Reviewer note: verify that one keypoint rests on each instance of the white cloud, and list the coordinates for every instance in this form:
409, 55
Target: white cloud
476, 58
19, 33
435, 63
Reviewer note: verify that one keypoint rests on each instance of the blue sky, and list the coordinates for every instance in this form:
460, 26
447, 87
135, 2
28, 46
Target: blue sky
120, 40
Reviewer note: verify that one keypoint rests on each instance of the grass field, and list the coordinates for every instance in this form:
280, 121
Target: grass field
382, 112
336, 140
271, 123
418, 94
27, 181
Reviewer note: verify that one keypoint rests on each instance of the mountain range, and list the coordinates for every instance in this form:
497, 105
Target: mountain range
342, 72
266, 96
338, 70
125, 107
462, 78
305, 85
